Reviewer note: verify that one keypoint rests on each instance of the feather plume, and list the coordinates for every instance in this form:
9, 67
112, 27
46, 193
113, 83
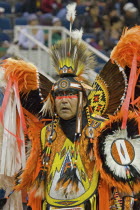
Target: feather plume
127, 54
24, 73
71, 12
128, 45
77, 34
80, 60
48, 106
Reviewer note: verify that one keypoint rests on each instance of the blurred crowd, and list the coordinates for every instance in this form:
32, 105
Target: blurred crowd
102, 21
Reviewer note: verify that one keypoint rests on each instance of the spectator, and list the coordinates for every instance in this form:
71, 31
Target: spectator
137, 4
62, 14
46, 19
131, 16
38, 34
90, 21
50, 6
56, 34
112, 31
30, 6
93, 43
2, 10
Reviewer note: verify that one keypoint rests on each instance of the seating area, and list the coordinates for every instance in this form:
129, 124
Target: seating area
5, 23
101, 21
6, 6
20, 21
18, 7
4, 37
10, 15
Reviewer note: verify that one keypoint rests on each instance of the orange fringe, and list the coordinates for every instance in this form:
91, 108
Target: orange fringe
24, 73
33, 164
104, 195
34, 202
128, 45
106, 177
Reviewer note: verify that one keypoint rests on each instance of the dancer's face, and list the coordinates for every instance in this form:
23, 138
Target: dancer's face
66, 104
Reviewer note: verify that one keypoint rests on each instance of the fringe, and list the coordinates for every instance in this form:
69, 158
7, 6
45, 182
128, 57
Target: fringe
33, 165
104, 195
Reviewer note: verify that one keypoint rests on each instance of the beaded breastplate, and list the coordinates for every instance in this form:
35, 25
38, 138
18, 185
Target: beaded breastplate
72, 178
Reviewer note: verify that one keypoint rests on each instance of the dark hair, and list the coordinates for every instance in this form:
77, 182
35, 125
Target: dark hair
114, 19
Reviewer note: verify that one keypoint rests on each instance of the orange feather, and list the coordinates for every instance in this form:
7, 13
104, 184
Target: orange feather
128, 45
33, 164
24, 73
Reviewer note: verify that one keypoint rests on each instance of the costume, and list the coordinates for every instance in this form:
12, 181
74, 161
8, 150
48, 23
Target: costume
86, 155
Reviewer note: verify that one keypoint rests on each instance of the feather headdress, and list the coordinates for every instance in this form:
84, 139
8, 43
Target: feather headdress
71, 59
80, 58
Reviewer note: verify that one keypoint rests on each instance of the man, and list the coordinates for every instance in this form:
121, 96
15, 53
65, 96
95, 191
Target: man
61, 168
67, 154
68, 166
24, 42
70, 174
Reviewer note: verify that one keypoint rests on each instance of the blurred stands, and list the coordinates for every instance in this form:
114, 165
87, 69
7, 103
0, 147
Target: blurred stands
80, 9
21, 21
7, 7
65, 23
4, 37
5, 23
18, 7
102, 20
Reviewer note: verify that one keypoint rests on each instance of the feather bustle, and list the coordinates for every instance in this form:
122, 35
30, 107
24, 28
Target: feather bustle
121, 187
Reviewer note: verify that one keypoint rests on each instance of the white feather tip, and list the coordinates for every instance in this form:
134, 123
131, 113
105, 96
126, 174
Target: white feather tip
77, 34
71, 12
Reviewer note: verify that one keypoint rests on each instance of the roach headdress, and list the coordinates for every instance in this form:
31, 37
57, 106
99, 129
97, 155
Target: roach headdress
71, 58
